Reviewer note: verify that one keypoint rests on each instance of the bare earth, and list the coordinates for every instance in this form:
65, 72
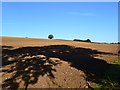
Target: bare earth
43, 63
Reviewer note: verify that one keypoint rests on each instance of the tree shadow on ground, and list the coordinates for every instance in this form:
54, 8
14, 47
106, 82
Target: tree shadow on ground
30, 63
26, 66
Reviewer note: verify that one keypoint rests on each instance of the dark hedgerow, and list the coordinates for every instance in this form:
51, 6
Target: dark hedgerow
88, 40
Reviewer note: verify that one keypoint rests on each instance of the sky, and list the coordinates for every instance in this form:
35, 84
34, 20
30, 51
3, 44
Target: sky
97, 21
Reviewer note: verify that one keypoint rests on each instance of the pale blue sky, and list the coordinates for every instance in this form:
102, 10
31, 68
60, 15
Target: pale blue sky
96, 21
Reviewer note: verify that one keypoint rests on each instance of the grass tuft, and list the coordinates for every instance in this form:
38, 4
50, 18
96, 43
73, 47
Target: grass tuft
111, 79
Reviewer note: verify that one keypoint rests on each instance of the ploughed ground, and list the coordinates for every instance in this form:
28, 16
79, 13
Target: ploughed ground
43, 63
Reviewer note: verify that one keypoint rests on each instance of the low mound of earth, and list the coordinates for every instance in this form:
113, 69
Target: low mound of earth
43, 63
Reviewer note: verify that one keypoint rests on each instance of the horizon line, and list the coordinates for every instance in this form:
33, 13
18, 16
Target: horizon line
56, 39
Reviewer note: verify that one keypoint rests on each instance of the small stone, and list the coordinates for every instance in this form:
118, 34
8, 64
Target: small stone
41, 56
27, 57
86, 86
23, 60
56, 59
10, 58
26, 69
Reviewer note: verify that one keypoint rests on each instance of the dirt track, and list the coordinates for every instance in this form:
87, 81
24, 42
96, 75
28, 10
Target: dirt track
43, 63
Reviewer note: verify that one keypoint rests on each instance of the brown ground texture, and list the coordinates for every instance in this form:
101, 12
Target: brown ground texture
43, 63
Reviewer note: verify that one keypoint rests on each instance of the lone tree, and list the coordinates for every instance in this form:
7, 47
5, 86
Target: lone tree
50, 36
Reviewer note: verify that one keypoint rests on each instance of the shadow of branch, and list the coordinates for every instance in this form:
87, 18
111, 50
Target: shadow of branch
32, 62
